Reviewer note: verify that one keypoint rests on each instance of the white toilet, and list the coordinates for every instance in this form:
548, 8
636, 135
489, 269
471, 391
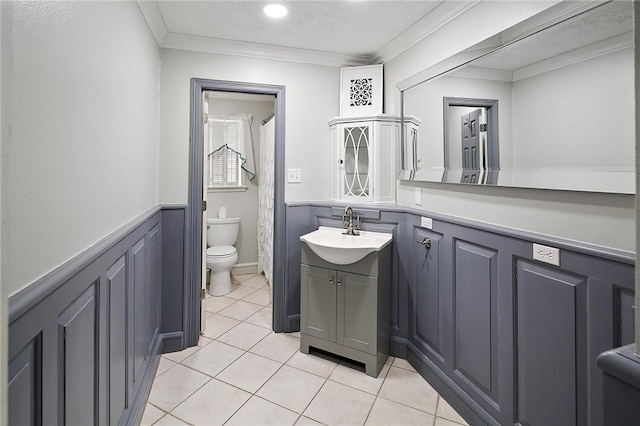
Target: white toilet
221, 254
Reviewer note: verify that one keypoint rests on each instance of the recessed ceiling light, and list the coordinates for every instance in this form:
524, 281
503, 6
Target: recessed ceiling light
275, 10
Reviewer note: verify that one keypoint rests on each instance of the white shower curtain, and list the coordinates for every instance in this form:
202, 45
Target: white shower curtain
265, 200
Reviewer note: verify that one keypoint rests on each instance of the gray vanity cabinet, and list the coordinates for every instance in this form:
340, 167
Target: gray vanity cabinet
345, 309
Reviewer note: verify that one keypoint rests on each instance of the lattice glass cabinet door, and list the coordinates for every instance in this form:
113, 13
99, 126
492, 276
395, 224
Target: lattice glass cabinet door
356, 145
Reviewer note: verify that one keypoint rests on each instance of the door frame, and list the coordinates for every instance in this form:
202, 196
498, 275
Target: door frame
493, 147
193, 220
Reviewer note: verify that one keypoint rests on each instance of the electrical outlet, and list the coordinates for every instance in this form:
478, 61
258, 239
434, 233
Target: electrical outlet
426, 222
546, 254
294, 176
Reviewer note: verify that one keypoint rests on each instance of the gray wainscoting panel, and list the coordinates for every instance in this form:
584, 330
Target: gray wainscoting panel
25, 385
624, 306
117, 284
139, 307
78, 335
77, 347
430, 295
154, 295
173, 278
547, 316
476, 331
299, 222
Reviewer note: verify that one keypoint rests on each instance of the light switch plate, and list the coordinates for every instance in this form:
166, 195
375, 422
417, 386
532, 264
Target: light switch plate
426, 222
546, 254
294, 176
418, 196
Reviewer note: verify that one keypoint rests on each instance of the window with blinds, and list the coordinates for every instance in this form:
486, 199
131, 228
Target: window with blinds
225, 162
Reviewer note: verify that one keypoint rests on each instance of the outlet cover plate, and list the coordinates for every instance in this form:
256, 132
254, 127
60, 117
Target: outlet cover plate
294, 176
426, 222
546, 254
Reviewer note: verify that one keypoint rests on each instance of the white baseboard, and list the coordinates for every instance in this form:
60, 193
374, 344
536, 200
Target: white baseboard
245, 268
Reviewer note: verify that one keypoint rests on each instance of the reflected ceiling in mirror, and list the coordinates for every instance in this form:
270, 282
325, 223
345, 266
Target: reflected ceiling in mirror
564, 114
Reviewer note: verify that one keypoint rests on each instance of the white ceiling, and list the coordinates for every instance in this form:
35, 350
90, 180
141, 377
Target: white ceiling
348, 32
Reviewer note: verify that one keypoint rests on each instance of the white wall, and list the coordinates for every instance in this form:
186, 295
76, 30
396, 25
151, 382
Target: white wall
82, 159
602, 219
242, 204
312, 99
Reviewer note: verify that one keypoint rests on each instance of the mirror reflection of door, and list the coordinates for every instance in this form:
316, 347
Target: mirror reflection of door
472, 152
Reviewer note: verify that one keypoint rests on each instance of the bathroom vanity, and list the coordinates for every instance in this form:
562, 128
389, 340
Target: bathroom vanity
345, 308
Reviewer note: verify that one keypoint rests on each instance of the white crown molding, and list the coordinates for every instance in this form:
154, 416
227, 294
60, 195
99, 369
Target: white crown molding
263, 51
152, 15
440, 16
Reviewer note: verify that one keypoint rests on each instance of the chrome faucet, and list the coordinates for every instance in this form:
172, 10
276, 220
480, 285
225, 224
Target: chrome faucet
351, 229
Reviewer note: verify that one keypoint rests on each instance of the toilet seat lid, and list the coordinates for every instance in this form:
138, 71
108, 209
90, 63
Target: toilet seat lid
221, 251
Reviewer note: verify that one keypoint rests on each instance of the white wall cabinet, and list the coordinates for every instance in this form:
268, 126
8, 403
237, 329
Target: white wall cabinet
364, 155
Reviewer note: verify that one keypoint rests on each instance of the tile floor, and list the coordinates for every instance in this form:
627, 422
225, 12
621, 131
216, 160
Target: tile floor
241, 373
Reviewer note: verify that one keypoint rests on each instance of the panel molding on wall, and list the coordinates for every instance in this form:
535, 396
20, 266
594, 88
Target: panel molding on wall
84, 341
470, 284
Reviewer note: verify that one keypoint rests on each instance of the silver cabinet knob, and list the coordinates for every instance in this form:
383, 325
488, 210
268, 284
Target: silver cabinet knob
426, 243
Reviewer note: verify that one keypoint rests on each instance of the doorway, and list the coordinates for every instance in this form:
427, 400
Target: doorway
194, 234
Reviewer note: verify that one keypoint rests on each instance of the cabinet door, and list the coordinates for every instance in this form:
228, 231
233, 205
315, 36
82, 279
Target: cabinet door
357, 311
356, 155
318, 295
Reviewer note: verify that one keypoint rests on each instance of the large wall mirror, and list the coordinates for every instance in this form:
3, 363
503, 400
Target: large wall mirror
546, 104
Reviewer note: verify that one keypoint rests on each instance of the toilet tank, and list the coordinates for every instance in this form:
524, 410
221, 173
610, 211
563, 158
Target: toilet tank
222, 232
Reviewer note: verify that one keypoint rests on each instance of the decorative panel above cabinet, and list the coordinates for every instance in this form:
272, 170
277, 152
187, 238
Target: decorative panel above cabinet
364, 153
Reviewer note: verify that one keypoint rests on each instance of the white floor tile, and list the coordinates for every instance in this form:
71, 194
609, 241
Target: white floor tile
217, 325
216, 303
240, 310
164, 365
403, 363
444, 422
256, 281
277, 346
241, 291
291, 388
313, 363
446, 411
260, 297
356, 378
385, 412
244, 336
337, 404
213, 358
263, 318
249, 372
204, 341
174, 386
213, 404
151, 415
239, 278
259, 412
169, 420
180, 355
409, 388
306, 421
